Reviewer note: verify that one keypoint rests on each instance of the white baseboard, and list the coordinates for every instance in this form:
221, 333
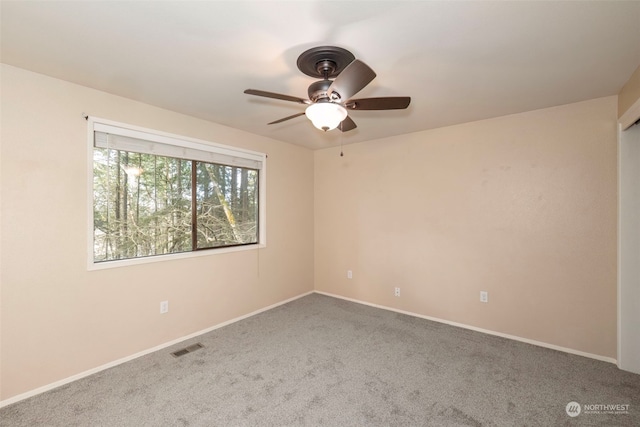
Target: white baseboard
97, 369
84, 374
473, 328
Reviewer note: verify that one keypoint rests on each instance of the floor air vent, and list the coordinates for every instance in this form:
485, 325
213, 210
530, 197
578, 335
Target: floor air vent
189, 349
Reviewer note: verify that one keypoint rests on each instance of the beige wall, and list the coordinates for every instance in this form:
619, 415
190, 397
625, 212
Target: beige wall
522, 206
630, 93
57, 318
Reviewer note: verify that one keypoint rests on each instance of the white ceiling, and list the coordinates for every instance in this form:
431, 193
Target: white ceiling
459, 61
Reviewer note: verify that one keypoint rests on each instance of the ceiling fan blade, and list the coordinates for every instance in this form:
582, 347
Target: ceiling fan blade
352, 80
387, 103
287, 118
276, 96
347, 124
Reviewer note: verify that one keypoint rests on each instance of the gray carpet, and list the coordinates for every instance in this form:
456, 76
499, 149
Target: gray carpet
323, 361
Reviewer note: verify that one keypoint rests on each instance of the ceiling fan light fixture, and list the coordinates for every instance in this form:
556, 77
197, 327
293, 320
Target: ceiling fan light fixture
329, 99
326, 115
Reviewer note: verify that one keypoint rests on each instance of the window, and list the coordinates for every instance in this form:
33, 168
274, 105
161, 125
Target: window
159, 194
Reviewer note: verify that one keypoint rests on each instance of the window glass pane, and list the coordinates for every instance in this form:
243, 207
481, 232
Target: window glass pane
156, 193
226, 204
142, 205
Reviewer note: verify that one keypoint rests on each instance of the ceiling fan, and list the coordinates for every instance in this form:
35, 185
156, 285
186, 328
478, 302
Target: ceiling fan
329, 100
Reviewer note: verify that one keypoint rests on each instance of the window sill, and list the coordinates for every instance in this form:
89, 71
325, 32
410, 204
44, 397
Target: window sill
170, 257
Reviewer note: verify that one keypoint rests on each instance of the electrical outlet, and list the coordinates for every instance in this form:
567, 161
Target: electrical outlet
484, 296
164, 307
397, 292
349, 274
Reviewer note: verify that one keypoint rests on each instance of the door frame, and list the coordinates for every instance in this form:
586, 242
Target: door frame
624, 123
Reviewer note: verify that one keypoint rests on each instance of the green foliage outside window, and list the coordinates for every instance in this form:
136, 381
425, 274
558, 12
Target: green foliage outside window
147, 205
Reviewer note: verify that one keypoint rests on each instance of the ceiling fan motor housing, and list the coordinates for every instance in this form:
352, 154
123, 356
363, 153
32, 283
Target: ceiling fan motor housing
318, 90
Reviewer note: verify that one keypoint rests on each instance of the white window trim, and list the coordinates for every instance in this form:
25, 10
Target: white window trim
95, 123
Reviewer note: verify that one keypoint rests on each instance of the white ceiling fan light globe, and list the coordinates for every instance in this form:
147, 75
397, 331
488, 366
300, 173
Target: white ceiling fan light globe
326, 115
